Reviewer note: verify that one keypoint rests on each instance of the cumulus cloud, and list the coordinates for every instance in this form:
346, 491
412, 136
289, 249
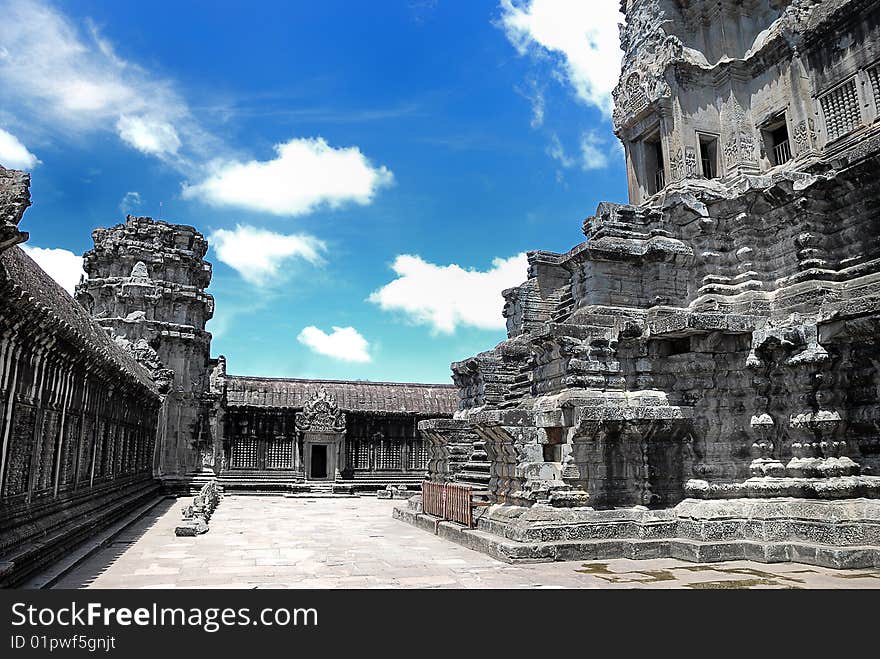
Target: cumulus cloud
581, 35
62, 265
305, 174
343, 343
66, 78
447, 296
151, 136
258, 254
70, 80
14, 154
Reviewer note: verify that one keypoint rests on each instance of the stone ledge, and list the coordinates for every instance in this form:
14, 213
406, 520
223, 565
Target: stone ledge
726, 547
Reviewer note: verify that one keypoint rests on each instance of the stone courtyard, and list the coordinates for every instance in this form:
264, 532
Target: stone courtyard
354, 543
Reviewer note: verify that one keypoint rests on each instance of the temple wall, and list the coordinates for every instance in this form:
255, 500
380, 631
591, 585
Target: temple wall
373, 444
78, 422
717, 338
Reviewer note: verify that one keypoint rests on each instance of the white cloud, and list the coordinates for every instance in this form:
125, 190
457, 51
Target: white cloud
343, 343
556, 151
62, 265
535, 96
66, 79
582, 34
14, 154
70, 81
258, 254
151, 136
447, 296
305, 174
130, 202
594, 154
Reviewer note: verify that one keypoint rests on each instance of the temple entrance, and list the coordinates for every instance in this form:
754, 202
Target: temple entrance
318, 467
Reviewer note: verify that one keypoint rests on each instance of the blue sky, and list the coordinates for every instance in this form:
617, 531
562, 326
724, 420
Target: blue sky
369, 172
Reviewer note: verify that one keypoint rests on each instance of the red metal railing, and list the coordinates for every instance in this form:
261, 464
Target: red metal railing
451, 501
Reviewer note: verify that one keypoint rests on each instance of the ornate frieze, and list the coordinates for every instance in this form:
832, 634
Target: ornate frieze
321, 414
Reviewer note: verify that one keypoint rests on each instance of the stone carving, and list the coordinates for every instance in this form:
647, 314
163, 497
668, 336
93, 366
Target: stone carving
197, 515
139, 271
690, 162
15, 197
321, 414
804, 136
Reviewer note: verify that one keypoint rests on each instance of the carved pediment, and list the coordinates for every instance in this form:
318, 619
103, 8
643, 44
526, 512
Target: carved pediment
321, 414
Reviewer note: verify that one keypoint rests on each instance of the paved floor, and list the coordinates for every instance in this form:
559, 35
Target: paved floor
273, 542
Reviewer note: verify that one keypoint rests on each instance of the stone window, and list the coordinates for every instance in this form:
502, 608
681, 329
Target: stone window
244, 453
388, 456
672, 347
552, 449
418, 455
776, 143
709, 156
841, 110
359, 454
874, 77
279, 454
654, 164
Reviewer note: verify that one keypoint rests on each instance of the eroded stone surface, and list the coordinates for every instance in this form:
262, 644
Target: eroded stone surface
716, 338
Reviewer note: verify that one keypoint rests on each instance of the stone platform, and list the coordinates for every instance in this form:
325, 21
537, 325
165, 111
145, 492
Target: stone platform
835, 534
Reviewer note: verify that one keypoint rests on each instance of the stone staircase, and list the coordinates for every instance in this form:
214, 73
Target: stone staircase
475, 471
262, 483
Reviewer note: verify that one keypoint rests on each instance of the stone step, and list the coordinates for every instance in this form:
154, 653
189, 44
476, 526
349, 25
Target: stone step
55, 535
475, 480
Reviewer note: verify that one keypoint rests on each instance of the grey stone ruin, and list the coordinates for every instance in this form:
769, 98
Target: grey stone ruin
699, 379
197, 514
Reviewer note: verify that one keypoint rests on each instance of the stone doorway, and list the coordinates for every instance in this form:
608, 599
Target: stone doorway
318, 466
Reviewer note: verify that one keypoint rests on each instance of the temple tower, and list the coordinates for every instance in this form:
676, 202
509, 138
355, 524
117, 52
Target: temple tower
146, 286
718, 91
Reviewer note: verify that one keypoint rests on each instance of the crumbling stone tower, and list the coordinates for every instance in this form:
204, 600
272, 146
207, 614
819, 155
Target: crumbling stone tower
711, 350
146, 286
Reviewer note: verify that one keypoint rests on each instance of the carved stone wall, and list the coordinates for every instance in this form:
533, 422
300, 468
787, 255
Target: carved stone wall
713, 341
77, 413
732, 89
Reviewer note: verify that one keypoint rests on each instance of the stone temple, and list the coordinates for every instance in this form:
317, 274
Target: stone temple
112, 398
699, 379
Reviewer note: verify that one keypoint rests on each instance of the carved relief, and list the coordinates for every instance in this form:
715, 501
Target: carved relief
321, 414
690, 162
739, 146
804, 136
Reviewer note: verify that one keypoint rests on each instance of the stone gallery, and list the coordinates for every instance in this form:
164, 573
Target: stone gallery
112, 398
699, 379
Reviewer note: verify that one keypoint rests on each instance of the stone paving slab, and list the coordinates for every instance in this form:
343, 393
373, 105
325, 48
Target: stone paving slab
276, 542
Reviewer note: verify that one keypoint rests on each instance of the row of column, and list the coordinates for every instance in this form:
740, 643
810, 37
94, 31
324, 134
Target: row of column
64, 424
